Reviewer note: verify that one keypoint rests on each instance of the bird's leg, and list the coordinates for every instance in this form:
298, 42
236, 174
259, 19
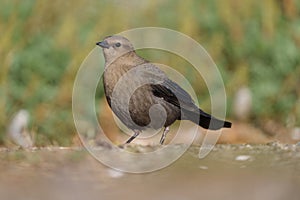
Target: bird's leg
136, 133
163, 137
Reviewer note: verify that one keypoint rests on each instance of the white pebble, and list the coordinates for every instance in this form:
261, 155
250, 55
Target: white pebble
17, 129
203, 167
114, 173
242, 103
295, 133
242, 157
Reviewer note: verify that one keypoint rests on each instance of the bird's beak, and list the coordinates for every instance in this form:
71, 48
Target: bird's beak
103, 44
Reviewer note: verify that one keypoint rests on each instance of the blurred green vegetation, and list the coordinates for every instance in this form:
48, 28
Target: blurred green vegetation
254, 43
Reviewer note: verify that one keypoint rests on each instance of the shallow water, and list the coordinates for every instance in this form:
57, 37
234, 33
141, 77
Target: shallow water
229, 172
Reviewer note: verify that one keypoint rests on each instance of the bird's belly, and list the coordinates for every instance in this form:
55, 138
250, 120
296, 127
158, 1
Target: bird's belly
147, 110
143, 110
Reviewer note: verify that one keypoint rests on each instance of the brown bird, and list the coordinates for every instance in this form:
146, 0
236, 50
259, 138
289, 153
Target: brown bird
142, 96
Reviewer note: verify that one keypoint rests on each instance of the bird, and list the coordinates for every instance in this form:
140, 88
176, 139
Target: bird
146, 87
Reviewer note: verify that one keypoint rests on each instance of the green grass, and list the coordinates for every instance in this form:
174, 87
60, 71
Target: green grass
254, 43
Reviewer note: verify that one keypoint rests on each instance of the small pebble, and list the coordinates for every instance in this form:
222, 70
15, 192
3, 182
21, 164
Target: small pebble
203, 167
114, 173
242, 157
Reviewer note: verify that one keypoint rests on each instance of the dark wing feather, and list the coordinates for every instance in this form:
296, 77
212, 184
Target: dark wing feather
174, 94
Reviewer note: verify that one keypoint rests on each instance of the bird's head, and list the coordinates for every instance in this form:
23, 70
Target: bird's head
114, 47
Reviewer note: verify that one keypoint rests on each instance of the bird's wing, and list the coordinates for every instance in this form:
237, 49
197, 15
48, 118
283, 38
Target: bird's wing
174, 94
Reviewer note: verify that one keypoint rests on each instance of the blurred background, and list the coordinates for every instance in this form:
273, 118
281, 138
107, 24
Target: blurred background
255, 45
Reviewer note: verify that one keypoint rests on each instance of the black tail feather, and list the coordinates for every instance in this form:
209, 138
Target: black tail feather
205, 120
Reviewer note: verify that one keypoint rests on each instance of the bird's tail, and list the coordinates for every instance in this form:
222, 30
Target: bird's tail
205, 120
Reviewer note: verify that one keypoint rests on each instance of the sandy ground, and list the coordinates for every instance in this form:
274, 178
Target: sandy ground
229, 172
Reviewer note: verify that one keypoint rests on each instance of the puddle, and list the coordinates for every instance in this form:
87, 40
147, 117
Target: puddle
229, 172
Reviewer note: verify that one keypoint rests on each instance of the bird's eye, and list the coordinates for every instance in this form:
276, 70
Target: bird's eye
118, 44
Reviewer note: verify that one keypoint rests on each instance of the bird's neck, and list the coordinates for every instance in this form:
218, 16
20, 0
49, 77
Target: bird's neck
126, 61
116, 69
